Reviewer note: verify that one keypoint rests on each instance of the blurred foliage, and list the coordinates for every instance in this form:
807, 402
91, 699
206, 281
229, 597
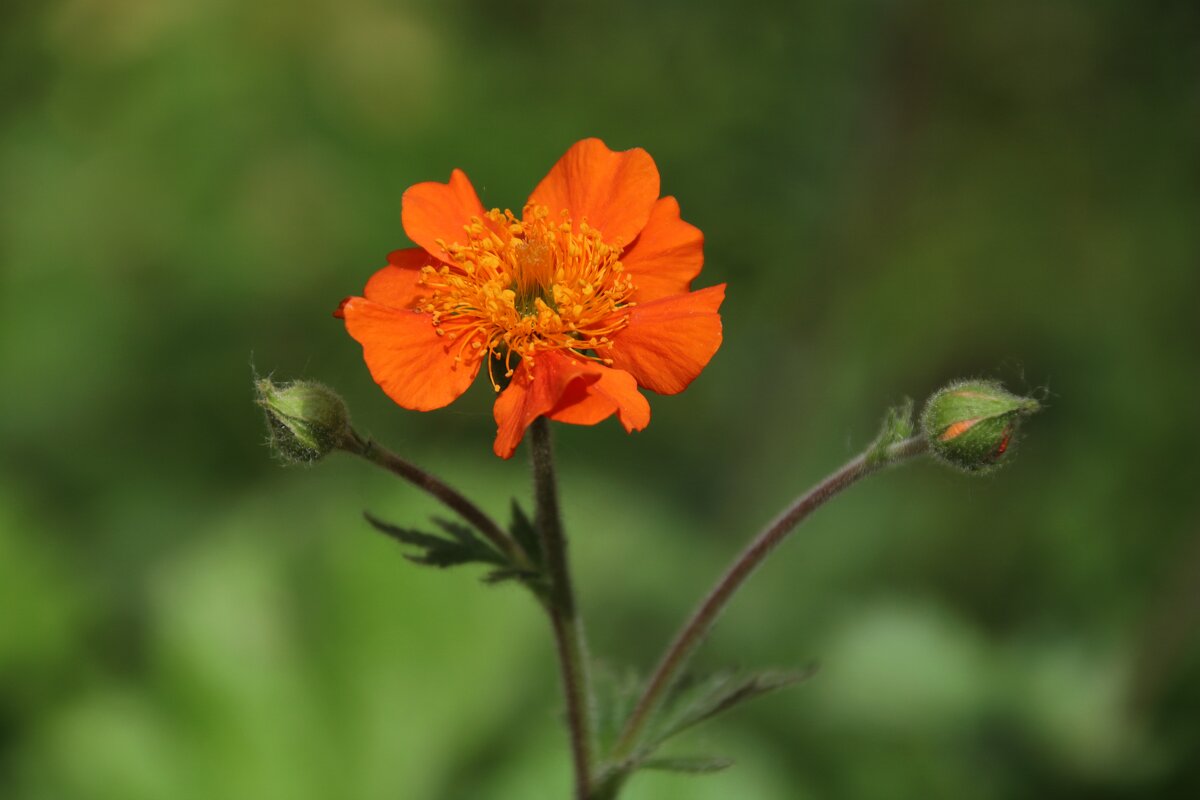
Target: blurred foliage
898, 193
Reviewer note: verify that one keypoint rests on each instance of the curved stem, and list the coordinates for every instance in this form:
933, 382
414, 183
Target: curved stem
381, 456
698, 625
568, 633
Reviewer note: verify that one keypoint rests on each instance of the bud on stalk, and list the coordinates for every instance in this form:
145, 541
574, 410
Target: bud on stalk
306, 420
971, 424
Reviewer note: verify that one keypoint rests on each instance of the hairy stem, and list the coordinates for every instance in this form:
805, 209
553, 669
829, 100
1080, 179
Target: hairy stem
697, 626
381, 456
568, 633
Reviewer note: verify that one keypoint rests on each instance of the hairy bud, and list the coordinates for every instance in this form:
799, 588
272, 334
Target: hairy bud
306, 420
971, 424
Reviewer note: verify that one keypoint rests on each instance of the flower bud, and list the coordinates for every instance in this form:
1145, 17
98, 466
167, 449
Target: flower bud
306, 420
971, 424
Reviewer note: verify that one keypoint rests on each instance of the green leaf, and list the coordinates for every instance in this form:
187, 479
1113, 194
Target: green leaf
691, 765
690, 703
459, 545
719, 694
525, 534
616, 691
528, 577
464, 535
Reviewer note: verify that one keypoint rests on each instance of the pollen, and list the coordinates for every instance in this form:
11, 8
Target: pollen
515, 287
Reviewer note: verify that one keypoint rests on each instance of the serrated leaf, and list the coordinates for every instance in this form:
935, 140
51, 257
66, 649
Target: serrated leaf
511, 574
616, 691
723, 692
463, 547
459, 532
403, 535
526, 535
691, 765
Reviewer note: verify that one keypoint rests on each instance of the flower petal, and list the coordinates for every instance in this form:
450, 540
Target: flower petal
669, 341
411, 363
432, 211
613, 191
396, 285
534, 390
589, 403
667, 254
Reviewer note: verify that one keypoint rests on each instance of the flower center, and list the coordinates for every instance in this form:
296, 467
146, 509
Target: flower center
518, 286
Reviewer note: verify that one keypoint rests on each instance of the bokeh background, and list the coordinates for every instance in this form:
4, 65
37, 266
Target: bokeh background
898, 194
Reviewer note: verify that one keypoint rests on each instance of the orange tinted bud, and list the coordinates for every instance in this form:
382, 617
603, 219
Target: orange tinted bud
971, 424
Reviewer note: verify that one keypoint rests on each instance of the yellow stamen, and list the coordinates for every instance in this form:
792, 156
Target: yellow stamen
516, 287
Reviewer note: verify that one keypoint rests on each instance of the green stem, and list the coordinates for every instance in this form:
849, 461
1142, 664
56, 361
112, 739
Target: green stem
568, 633
370, 450
697, 626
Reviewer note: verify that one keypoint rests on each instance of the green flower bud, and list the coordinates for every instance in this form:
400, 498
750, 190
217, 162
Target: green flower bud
306, 420
971, 424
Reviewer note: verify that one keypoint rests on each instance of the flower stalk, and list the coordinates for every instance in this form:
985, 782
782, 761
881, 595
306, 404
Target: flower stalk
564, 617
697, 626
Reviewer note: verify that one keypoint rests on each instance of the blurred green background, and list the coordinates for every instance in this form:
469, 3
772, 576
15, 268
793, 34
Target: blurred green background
898, 194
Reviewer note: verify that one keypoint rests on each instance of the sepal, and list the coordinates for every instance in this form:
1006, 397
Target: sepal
896, 427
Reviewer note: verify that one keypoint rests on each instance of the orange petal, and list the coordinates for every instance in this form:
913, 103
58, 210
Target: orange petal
667, 254
613, 191
411, 258
533, 391
669, 341
432, 211
396, 285
411, 363
588, 403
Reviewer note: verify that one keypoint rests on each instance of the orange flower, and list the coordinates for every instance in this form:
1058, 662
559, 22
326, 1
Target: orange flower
577, 303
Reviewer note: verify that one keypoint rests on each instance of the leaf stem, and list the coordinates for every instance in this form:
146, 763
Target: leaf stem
568, 632
697, 626
379, 455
